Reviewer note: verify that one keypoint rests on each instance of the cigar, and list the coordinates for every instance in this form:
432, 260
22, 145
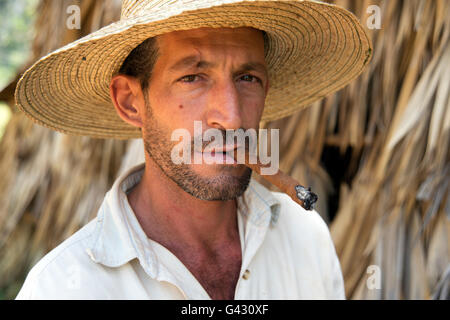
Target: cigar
303, 196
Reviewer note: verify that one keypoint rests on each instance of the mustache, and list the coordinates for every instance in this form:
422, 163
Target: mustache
226, 136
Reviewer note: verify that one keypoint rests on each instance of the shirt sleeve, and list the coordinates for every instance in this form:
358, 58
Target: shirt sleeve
337, 290
26, 292
333, 278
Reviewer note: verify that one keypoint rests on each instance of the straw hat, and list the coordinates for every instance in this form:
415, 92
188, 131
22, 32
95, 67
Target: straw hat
314, 50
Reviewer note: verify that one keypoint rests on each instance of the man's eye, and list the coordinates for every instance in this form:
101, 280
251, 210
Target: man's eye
250, 78
189, 78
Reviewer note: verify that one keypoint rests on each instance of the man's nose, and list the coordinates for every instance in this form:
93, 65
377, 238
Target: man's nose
224, 109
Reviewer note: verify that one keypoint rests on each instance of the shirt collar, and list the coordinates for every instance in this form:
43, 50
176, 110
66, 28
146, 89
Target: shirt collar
119, 238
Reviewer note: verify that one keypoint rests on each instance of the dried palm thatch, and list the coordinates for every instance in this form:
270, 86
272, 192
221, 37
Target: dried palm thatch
393, 214
52, 183
376, 150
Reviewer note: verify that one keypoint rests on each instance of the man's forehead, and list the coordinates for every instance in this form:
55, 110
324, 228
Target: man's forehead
189, 48
238, 39
219, 34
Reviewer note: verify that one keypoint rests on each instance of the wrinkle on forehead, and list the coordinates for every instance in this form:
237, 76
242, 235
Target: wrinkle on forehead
225, 38
245, 43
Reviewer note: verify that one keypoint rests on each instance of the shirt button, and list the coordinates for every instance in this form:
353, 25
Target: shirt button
246, 274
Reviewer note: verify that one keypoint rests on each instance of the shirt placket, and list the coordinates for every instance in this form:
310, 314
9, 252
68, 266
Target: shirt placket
173, 271
254, 235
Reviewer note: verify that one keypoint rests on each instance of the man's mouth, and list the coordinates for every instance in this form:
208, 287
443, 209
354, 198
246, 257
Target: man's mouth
220, 156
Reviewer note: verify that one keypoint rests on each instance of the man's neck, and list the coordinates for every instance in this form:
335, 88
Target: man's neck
172, 217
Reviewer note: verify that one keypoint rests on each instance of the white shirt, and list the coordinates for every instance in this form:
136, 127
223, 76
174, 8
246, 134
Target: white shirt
287, 253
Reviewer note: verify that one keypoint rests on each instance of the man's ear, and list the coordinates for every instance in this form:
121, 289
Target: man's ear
127, 97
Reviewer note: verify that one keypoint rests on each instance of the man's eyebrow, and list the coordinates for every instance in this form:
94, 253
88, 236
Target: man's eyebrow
256, 66
193, 61
190, 61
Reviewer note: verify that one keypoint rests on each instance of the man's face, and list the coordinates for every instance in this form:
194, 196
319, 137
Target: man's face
218, 77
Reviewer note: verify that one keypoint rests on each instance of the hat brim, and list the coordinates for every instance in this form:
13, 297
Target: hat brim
314, 50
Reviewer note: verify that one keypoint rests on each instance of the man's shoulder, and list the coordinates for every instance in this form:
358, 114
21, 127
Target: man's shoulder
294, 216
302, 226
71, 250
305, 238
58, 265
286, 211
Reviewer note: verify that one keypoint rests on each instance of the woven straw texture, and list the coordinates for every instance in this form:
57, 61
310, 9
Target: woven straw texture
314, 50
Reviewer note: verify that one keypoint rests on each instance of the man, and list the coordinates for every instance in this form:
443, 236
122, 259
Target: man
199, 230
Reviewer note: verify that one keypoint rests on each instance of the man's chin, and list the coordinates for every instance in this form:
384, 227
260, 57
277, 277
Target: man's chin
217, 170
227, 184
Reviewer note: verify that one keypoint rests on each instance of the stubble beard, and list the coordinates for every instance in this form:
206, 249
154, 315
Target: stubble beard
223, 187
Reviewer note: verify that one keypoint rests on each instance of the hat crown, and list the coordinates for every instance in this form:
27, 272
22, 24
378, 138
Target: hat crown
133, 8
313, 49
